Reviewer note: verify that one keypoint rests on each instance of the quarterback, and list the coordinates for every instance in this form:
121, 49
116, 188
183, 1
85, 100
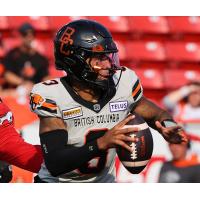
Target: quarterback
82, 114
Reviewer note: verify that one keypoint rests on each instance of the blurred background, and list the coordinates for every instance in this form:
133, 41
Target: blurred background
163, 51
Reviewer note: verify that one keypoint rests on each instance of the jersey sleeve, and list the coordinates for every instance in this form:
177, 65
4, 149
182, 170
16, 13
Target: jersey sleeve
13, 149
136, 87
43, 101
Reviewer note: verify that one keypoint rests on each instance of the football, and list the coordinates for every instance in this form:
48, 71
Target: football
136, 161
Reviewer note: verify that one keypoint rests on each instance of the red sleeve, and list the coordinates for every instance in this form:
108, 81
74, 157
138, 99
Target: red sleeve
13, 149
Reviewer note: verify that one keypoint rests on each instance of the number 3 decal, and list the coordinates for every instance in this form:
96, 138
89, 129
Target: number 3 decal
101, 160
50, 82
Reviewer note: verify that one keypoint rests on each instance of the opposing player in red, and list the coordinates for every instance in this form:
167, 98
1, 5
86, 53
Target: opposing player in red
13, 149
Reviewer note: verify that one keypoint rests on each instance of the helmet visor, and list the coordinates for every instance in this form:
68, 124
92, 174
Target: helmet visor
111, 58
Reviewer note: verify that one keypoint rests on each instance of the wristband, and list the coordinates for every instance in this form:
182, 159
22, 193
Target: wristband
168, 123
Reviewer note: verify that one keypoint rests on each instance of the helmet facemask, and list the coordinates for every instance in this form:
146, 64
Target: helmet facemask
89, 75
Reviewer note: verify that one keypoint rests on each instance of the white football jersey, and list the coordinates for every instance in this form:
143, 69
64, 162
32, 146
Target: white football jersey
86, 121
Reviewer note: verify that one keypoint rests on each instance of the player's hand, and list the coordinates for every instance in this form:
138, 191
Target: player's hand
173, 134
117, 136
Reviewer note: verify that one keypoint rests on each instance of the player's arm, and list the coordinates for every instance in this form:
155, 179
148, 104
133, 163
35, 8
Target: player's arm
156, 117
171, 100
60, 157
160, 120
15, 151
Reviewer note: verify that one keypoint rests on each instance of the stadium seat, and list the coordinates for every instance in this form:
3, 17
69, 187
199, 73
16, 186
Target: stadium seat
113, 23
184, 24
151, 24
9, 43
2, 52
185, 28
183, 51
4, 25
153, 84
145, 50
39, 45
122, 50
56, 22
54, 73
2, 68
47, 48
40, 23
176, 78
150, 78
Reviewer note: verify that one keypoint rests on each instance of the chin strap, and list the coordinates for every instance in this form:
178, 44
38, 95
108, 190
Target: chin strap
122, 70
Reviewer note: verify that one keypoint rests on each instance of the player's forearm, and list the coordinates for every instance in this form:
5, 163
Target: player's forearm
62, 158
31, 159
15, 151
174, 97
151, 112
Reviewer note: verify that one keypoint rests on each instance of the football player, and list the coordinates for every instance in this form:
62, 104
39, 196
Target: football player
82, 114
13, 149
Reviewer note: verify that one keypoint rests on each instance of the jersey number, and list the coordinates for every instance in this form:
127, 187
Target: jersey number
100, 161
50, 82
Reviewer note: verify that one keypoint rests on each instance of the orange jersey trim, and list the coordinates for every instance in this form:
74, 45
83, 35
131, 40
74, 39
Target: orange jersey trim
186, 163
49, 105
136, 90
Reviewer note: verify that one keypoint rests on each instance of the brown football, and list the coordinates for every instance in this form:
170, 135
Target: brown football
136, 161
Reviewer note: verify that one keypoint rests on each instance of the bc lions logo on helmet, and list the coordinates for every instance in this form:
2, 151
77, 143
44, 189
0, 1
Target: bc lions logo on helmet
66, 39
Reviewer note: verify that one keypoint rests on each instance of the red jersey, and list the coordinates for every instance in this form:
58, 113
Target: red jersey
13, 149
